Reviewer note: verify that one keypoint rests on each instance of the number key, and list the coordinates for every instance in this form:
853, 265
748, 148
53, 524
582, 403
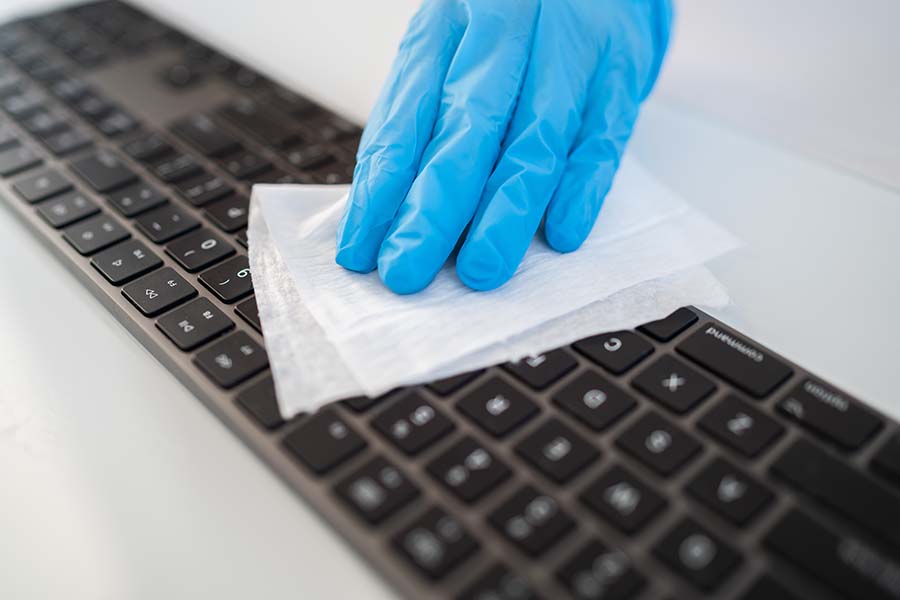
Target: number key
94, 234
123, 262
158, 291
194, 324
42, 185
165, 223
67, 209
198, 250
230, 281
232, 359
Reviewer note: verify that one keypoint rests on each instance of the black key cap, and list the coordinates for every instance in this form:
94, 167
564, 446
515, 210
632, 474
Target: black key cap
497, 407
697, 555
736, 359
594, 400
136, 199
229, 214
310, 156
448, 385
175, 168
103, 171
204, 189
833, 415
249, 312
17, 159
8, 139
233, 359
198, 250
377, 490
45, 123
194, 324
540, 371
93, 234
730, 492
67, 209
279, 176
361, 403
616, 352
22, 106
93, 108
499, 583
813, 471
126, 261
412, 423
241, 238
740, 426
658, 444
623, 499
435, 543
260, 401
848, 564
68, 141
230, 281
324, 441
149, 147
557, 451
246, 164
159, 291
262, 123
468, 469
887, 459
673, 384
42, 185
768, 588
165, 223
666, 329
205, 135
70, 90
531, 521
117, 122
598, 572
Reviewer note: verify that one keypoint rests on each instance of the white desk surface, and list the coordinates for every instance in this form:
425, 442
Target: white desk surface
117, 483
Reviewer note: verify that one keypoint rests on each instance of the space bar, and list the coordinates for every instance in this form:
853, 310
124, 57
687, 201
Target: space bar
811, 470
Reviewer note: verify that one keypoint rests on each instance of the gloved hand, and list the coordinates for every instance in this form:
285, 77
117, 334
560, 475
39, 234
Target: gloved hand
497, 114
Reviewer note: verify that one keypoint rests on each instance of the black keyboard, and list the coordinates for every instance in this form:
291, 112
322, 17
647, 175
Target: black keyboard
679, 460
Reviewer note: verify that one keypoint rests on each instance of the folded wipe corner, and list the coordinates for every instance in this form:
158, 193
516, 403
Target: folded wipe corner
331, 334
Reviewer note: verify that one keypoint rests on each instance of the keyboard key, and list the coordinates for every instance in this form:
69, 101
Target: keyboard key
229, 214
229, 281
658, 444
246, 164
21, 106
324, 441
103, 171
736, 359
175, 168
204, 134
261, 122
310, 156
623, 499
768, 588
412, 424
165, 223
126, 261
362, 403
729, 492
499, 583
697, 555
45, 123
17, 159
448, 385
673, 384
594, 400
836, 417
93, 234
740, 426
248, 311
848, 564
260, 401
811, 470
497, 407
198, 250
598, 572
666, 329
70, 90
93, 108
149, 147
136, 199
241, 238
468, 469
377, 490
531, 521
67, 209
887, 459
202, 190
159, 291
233, 359
8, 139
435, 543
116, 123
616, 352
540, 371
194, 324
557, 451
68, 141
42, 185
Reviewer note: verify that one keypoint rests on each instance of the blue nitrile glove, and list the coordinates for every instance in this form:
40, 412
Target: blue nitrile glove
497, 114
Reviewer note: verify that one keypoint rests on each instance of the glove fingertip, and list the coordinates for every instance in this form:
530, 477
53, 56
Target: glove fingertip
481, 267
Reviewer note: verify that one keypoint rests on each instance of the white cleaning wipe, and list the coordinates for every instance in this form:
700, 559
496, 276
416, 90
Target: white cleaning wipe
332, 334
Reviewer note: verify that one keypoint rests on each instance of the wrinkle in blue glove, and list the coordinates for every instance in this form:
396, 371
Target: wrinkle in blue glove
497, 115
